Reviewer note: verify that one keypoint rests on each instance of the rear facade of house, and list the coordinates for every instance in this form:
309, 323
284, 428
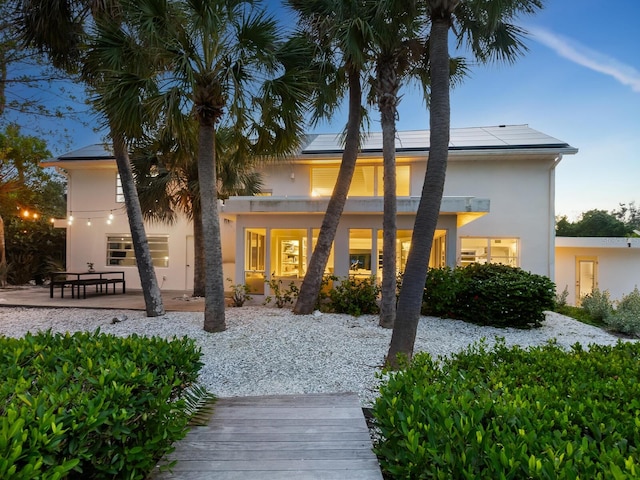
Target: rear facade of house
498, 206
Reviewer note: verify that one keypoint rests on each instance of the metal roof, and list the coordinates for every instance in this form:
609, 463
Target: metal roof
96, 151
501, 137
473, 138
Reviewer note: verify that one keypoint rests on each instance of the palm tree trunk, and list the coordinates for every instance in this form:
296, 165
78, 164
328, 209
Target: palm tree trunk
148, 280
387, 102
310, 288
214, 317
3, 255
199, 276
410, 301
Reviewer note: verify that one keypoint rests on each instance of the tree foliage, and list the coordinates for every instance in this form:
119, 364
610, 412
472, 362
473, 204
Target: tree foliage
599, 223
29, 197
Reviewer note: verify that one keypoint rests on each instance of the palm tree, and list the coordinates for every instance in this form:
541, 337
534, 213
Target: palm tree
489, 35
341, 35
60, 29
228, 65
166, 175
399, 52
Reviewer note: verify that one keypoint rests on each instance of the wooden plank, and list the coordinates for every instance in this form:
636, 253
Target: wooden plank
207, 454
276, 465
307, 400
271, 475
203, 436
364, 444
277, 413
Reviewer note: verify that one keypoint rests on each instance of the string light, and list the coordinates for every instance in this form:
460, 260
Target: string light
100, 215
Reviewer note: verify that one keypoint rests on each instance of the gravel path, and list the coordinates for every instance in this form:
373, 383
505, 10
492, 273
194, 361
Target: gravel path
267, 351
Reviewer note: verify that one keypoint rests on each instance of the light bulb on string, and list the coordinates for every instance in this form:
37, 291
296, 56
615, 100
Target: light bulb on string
89, 223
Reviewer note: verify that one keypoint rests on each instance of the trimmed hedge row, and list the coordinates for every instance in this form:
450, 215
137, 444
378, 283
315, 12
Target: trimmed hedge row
488, 294
513, 413
91, 405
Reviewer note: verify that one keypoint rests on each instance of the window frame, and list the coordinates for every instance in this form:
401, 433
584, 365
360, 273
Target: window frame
129, 258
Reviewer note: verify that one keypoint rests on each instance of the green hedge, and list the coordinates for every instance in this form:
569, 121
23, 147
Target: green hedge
91, 405
541, 413
488, 294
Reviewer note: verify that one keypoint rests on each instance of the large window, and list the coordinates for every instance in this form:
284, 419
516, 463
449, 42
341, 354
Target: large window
489, 250
289, 252
255, 255
120, 251
368, 181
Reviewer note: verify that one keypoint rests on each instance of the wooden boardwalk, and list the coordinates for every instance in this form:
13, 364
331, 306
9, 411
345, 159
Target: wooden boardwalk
302, 437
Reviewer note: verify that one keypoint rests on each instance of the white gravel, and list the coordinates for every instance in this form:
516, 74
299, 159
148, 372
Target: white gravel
267, 351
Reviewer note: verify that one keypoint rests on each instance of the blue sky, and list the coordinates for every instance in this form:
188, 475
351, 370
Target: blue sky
579, 82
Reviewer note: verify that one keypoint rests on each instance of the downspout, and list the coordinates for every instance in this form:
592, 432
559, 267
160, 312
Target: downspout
551, 268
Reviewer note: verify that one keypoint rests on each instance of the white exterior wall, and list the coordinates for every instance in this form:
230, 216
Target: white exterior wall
92, 194
522, 204
618, 269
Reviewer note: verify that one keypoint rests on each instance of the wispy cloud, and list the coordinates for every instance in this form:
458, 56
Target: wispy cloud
575, 52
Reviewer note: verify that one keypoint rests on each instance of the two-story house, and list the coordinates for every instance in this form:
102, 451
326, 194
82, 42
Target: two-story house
498, 206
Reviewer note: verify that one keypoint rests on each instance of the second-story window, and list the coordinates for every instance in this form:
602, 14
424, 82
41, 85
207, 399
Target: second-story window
368, 181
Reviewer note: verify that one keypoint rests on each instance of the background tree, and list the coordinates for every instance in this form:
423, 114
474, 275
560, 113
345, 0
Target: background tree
228, 65
66, 32
33, 94
629, 215
344, 46
594, 223
489, 35
29, 197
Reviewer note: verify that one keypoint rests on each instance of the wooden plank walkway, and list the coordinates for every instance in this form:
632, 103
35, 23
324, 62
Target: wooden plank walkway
302, 437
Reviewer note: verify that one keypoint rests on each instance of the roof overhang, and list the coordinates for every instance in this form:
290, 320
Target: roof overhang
598, 242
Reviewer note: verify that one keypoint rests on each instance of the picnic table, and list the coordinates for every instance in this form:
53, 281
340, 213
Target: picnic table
80, 280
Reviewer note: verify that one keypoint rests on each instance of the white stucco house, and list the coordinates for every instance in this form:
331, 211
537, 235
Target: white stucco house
498, 206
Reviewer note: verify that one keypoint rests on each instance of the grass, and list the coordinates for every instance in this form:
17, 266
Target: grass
579, 314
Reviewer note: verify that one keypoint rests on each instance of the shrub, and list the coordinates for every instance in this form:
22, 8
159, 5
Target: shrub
597, 304
626, 318
91, 405
560, 299
355, 296
240, 293
441, 290
513, 413
489, 294
282, 296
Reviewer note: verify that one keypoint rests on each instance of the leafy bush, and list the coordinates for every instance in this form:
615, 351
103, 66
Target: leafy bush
355, 296
626, 318
282, 296
489, 294
239, 293
513, 413
91, 405
560, 299
597, 304
580, 314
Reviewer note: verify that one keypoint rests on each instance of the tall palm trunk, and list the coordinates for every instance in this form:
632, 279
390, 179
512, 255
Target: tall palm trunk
199, 270
310, 288
3, 255
410, 301
150, 289
214, 317
387, 103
